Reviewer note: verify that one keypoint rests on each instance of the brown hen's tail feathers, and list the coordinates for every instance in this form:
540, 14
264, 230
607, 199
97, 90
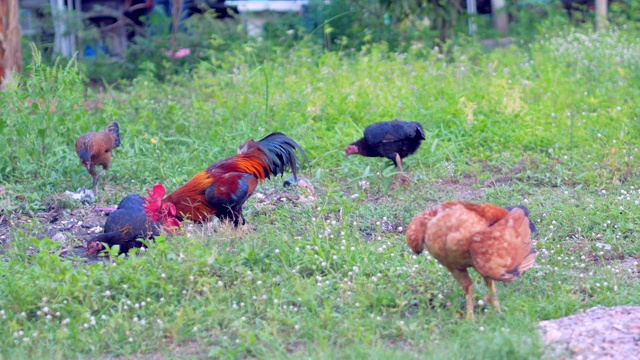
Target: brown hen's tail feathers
114, 129
510, 232
529, 260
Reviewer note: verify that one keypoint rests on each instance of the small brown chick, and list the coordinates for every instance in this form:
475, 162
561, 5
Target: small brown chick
95, 148
493, 240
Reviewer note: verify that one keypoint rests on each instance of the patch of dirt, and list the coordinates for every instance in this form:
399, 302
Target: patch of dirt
73, 224
598, 333
305, 194
506, 177
464, 189
66, 221
73, 228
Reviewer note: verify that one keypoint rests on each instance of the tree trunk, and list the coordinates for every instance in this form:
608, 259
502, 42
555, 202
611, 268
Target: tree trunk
10, 51
499, 16
601, 14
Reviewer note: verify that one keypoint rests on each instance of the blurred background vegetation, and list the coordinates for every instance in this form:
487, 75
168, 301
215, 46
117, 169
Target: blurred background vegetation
215, 33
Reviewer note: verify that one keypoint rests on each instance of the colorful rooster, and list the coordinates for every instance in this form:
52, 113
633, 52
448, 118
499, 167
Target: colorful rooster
223, 188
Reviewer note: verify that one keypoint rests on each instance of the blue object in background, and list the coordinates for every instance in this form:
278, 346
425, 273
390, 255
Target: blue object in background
90, 52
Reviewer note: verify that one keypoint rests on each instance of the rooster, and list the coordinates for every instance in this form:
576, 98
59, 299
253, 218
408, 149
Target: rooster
126, 225
493, 240
394, 140
223, 188
95, 148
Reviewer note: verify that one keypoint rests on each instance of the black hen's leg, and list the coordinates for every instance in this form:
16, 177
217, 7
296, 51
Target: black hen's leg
401, 177
398, 162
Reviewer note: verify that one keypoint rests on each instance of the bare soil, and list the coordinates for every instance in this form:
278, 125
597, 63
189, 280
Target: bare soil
598, 333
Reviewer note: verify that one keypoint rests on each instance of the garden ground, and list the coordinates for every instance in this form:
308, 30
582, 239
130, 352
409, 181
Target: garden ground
323, 271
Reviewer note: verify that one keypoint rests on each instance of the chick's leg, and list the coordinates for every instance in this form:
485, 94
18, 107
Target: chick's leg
92, 171
463, 278
96, 178
492, 298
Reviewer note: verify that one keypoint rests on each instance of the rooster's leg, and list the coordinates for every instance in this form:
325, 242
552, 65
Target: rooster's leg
492, 298
463, 278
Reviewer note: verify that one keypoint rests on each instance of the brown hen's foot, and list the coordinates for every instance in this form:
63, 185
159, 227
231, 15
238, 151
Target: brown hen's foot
492, 297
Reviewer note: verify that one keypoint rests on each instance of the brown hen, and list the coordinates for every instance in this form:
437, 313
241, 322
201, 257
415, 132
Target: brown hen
493, 240
95, 148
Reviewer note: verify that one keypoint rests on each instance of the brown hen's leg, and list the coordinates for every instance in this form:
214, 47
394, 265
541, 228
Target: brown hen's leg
492, 298
463, 278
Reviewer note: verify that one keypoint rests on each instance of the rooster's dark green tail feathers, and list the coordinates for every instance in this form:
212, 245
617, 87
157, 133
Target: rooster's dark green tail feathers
280, 151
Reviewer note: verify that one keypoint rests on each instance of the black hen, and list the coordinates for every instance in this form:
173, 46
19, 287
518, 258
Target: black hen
125, 226
394, 140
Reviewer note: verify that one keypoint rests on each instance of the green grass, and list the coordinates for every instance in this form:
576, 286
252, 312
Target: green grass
553, 125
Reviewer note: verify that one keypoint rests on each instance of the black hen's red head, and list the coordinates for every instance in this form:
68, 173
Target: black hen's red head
351, 149
157, 211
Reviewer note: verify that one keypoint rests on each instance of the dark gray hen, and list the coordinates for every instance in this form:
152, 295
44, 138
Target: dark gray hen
125, 226
394, 140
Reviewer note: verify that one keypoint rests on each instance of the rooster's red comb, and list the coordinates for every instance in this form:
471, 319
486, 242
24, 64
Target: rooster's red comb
157, 192
154, 202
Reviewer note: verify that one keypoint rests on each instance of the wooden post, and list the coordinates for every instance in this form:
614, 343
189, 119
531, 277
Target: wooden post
601, 14
472, 9
499, 16
10, 50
